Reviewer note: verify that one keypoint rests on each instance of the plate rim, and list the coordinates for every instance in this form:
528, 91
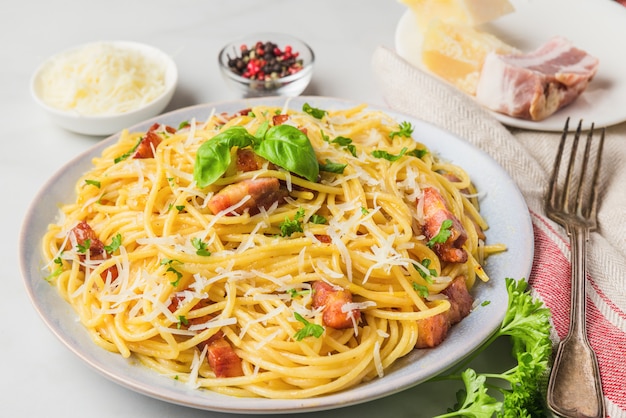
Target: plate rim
182, 395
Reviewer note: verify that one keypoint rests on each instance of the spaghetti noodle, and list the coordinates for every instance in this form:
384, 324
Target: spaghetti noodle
168, 258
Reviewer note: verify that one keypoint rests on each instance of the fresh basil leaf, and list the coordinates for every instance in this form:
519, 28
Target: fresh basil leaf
213, 157
260, 133
288, 147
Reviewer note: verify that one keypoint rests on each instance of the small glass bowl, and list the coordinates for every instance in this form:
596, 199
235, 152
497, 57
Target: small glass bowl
289, 85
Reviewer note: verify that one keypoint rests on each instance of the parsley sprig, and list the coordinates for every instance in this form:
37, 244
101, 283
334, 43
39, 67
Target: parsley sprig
527, 323
309, 330
443, 234
290, 226
201, 247
405, 129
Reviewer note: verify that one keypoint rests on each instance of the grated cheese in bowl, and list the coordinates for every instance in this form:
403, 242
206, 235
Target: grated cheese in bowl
103, 87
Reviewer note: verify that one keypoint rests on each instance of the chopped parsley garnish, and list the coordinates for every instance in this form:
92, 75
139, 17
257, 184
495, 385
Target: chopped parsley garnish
332, 167
406, 130
182, 320
128, 153
180, 208
418, 153
318, 219
364, 210
315, 112
342, 141
309, 329
168, 262
289, 227
443, 234
421, 289
184, 124
431, 272
293, 293
93, 183
387, 156
84, 247
201, 247
178, 274
115, 244
59, 262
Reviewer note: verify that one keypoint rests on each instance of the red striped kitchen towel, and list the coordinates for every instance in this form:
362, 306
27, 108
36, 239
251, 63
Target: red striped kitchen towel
528, 157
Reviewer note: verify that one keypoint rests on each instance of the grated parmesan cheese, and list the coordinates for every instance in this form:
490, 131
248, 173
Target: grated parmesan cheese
102, 79
377, 360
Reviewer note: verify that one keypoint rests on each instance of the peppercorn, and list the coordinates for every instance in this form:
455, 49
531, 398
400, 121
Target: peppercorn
265, 61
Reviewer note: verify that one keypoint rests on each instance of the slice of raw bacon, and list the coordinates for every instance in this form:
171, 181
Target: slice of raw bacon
537, 84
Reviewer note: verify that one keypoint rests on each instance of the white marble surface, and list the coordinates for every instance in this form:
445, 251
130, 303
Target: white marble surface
40, 377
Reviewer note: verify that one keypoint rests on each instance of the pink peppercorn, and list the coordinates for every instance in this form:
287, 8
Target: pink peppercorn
265, 61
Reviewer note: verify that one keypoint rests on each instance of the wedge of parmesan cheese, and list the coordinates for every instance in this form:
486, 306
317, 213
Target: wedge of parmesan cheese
467, 12
456, 52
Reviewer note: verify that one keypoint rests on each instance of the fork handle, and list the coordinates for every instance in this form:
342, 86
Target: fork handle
575, 389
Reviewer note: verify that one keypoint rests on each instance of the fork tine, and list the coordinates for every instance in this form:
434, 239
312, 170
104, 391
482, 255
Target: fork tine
552, 184
581, 180
596, 176
565, 196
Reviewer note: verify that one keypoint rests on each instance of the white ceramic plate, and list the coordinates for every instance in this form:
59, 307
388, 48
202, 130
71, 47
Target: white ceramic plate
596, 26
502, 205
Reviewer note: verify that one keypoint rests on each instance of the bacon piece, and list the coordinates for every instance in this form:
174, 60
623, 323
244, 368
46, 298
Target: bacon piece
280, 119
435, 213
248, 160
220, 354
263, 193
151, 141
537, 84
83, 234
333, 300
433, 330
242, 112
461, 300
454, 179
222, 357
323, 238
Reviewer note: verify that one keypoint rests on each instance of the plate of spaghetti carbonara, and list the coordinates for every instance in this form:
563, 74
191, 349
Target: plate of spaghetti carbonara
275, 254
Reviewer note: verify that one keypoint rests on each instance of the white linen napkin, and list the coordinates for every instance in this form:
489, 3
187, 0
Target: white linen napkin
528, 157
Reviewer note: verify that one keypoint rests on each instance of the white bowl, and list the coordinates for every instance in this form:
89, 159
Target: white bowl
106, 124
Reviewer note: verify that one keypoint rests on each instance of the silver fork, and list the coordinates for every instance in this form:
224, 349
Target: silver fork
574, 388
